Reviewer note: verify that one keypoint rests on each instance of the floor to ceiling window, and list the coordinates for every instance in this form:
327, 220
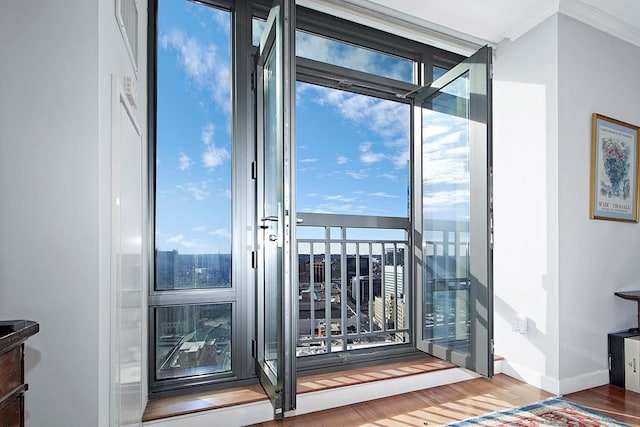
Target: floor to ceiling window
192, 300
352, 181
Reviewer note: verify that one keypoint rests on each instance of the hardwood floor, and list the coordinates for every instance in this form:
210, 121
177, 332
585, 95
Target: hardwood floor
610, 400
455, 402
430, 407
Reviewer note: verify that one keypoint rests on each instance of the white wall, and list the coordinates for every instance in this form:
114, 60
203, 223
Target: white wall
552, 263
526, 204
55, 216
49, 210
597, 74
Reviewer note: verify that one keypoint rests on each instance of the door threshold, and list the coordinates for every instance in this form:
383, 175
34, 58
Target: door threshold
249, 404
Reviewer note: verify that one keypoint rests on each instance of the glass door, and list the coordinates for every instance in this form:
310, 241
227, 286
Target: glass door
453, 187
275, 356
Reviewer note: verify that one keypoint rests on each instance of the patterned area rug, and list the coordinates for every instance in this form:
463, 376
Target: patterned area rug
550, 412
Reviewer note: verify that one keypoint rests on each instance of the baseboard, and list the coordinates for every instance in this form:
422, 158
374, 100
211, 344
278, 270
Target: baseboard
531, 377
552, 385
583, 382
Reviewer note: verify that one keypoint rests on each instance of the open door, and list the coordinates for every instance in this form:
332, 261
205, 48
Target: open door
453, 216
275, 352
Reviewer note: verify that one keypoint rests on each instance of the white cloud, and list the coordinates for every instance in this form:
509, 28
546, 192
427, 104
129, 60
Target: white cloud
222, 232
336, 208
356, 174
385, 195
447, 204
349, 56
200, 228
388, 120
308, 160
340, 198
369, 156
342, 160
445, 158
198, 193
185, 161
401, 159
180, 240
202, 64
214, 156
207, 133
221, 19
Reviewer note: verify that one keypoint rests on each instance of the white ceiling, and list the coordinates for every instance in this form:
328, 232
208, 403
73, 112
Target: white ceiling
494, 20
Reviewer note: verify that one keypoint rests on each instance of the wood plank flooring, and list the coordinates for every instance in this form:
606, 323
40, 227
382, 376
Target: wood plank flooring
165, 407
455, 402
610, 400
429, 407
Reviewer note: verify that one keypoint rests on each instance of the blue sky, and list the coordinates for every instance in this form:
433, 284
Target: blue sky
352, 150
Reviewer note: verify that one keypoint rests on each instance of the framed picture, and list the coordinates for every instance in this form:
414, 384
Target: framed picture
614, 169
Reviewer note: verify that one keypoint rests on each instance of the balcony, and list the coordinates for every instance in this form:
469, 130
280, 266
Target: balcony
352, 282
352, 270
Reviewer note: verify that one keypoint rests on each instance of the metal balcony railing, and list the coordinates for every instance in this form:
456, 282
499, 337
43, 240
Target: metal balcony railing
352, 282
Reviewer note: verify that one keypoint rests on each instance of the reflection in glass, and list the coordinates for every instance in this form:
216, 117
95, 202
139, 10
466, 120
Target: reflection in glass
446, 212
335, 52
324, 49
273, 195
192, 340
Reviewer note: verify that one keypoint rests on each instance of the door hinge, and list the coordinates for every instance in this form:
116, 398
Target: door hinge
253, 81
254, 259
491, 232
254, 170
492, 348
254, 347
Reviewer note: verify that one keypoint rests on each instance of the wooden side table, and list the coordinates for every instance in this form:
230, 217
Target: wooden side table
632, 295
13, 334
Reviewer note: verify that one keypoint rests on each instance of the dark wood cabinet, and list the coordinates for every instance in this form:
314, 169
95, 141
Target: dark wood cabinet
13, 334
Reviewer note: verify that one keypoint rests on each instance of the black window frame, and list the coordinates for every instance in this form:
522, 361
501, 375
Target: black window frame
243, 116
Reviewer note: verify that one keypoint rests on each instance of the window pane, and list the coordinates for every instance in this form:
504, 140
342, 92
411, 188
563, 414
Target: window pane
192, 340
193, 147
257, 25
324, 49
352, 153
438, 72
446, 153
319, 48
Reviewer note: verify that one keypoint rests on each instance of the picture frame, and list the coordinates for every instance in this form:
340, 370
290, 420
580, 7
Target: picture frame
614, 169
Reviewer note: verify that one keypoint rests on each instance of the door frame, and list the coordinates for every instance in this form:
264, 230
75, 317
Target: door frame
480, 357
279, 34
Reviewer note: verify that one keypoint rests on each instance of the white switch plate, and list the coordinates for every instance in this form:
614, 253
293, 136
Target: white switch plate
519, 323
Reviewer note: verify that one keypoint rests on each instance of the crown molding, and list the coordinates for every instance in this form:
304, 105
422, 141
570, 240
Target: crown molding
533, 21
600, 20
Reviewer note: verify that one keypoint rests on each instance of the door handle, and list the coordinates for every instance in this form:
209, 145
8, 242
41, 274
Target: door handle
273, 237
268, 218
